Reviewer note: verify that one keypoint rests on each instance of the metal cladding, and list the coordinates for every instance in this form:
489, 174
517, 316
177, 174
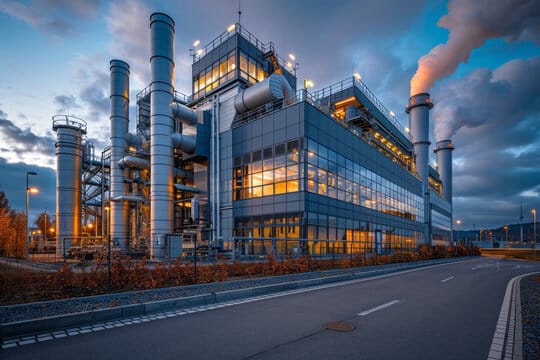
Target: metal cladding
418, 110
161, 129
272, 88
119, 129
443, 151
69, 132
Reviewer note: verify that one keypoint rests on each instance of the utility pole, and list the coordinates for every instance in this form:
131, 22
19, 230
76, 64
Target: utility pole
521, 225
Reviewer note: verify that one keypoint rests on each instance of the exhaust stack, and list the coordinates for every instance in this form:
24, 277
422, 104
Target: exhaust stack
418, 110
161, 129
119, 130
69, 132
443, 151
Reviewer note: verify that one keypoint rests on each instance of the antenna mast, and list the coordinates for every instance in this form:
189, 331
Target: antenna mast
239, 12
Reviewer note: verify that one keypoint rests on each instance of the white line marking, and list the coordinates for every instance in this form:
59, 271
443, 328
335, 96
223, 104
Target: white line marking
380, 307
448, 278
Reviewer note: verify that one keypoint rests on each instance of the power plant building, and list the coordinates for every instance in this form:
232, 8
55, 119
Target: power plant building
251, 164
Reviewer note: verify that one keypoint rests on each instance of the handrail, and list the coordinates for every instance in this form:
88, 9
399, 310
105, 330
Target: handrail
69, 120
178, 96
359, 84
238, 29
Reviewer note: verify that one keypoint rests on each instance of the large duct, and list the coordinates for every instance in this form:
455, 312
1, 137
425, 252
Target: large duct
418, 110
443, 151
183, 142
69, 132
183, 114
270, 89
140, 163
119, 130
161, 129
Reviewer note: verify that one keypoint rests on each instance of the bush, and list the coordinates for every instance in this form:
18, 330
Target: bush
127, 274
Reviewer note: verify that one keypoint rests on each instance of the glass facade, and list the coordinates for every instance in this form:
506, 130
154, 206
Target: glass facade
213, 76
333, 175
271, 171
440, 220
305, 165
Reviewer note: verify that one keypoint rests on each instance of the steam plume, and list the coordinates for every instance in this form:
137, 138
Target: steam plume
471, 23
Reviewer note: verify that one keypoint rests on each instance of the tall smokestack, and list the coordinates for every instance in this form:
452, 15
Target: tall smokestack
418, 110
69, 132
119, 129
161, 128
443, 151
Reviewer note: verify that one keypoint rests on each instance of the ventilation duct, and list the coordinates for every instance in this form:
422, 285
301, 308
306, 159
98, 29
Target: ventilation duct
270, 89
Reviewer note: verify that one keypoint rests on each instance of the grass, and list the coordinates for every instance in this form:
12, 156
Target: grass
522, 254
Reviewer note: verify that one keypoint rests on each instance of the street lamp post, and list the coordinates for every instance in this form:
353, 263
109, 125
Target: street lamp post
28, 190
534, 232
506, 230
458, 222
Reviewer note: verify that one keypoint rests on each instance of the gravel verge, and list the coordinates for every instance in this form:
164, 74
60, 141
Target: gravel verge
530, 312
22, 312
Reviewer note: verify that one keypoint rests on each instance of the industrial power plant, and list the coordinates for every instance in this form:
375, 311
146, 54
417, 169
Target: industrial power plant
249, 164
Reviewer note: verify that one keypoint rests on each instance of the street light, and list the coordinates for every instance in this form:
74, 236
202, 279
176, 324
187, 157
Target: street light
506, 230
534, 232
458, 222
28, 191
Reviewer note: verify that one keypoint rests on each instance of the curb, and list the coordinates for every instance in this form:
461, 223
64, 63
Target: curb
48, 324
507, 340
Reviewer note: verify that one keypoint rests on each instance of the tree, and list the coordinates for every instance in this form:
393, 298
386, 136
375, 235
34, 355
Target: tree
44, 222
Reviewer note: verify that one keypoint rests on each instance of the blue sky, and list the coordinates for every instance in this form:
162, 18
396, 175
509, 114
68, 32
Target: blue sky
55, 55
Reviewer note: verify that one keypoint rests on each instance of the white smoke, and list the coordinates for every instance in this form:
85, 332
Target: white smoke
502, 98
471, 23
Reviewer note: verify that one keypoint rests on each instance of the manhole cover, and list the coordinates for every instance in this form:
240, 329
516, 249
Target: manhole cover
339, 326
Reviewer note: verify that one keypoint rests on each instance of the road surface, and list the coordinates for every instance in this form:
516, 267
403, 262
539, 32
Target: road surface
446, 311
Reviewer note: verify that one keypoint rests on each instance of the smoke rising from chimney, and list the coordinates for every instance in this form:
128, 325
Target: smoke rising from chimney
471, 23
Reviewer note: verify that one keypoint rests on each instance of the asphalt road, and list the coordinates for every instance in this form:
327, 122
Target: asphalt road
442, 312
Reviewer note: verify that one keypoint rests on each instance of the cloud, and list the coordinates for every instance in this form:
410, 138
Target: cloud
24, 141
501, 98
58, 17
66, 103
495, 115
13, 182
471, 23
128, 23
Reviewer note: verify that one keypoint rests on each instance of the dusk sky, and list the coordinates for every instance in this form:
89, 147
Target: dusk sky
479, 59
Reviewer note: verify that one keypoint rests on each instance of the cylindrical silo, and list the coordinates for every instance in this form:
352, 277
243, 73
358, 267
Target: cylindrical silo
443, 151
161, 128
119, 78
69, 132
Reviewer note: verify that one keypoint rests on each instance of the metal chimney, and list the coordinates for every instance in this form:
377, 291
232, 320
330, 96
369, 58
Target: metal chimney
418, 110
443, 151
161, 128
69, 132
119, 129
